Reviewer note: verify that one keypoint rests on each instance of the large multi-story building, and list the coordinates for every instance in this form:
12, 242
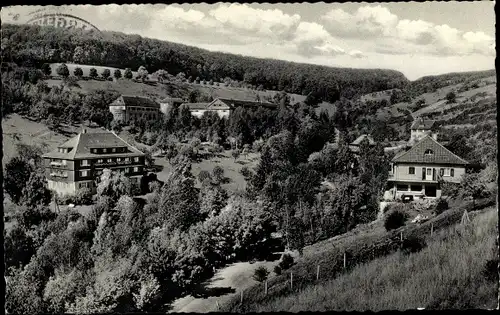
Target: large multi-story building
127, 108
78, 162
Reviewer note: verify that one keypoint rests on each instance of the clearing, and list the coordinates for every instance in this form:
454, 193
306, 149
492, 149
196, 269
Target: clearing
221, 287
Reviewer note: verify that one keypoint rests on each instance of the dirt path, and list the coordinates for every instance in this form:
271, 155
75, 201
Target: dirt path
226, 283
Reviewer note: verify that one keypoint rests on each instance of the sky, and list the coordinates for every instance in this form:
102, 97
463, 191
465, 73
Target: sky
418, 39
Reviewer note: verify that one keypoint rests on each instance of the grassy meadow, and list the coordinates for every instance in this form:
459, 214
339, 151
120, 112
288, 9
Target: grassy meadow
377, 273
445, 275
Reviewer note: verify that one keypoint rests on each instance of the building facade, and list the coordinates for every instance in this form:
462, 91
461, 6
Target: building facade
224, 106
78, 163
167, 103
417, 171
422, 128
128, 108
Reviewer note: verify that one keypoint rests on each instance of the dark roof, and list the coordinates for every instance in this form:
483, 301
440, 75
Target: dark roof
440, 155
172, 99
195, 106
421, 123
129, 100
360, 139
83, 142
245, 103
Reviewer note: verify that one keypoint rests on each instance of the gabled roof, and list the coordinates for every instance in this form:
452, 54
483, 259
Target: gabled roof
440, 155
83, 142
422, 124
129, 100
360, 139
244, 103
195, 106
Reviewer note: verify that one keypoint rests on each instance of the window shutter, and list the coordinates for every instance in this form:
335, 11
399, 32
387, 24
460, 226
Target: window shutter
452, 172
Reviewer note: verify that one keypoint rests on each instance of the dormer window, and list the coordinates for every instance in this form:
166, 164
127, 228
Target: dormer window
429, 152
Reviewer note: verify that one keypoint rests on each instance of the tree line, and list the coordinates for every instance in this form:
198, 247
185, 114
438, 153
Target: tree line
31, 45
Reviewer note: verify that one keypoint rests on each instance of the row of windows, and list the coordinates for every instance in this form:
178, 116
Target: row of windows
64, 150
142, 109
126, 170
108, 150
58, 162
58, 173
146, 116
110, 160
442, 171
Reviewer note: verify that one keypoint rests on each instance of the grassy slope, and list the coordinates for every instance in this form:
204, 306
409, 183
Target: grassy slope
25, 129
362, 245
86, 69
446, 274
128, 87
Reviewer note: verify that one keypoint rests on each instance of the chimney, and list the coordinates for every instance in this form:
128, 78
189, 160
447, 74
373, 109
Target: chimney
84, 130
435, 136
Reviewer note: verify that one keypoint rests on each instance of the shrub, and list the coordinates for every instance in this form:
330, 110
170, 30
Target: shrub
413, 244
441, 206
260, 274
286, 262
490, 271
277, 270
395, 219
83, 196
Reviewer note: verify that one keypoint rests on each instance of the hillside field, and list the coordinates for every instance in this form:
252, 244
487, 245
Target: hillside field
447, 273
86, 69
33, 133
158, 90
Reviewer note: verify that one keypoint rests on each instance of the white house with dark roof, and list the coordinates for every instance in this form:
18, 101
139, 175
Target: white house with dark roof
224, 106
78, 162
422, 127
127, 108
417, 171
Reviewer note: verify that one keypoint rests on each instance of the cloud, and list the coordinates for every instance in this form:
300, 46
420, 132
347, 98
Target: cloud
269, 24
311, 39
395, 36
367, 21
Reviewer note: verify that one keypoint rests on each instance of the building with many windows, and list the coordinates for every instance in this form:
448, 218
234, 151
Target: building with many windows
78, 162
127, 108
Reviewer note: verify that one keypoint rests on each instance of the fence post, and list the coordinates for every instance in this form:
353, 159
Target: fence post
401, 236
432, 228
345, 260
317, 273
291, 280
465, 218
241, 297
265, 287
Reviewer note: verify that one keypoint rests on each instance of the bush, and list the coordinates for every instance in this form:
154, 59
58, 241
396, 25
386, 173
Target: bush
395, 219
413, 245
260, 274
286, 262
441, 206
277, 270
83, 197
490, 271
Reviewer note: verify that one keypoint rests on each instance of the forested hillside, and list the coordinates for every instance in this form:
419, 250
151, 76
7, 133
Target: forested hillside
28, 45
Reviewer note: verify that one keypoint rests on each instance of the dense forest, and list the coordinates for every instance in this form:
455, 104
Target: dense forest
28, 45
